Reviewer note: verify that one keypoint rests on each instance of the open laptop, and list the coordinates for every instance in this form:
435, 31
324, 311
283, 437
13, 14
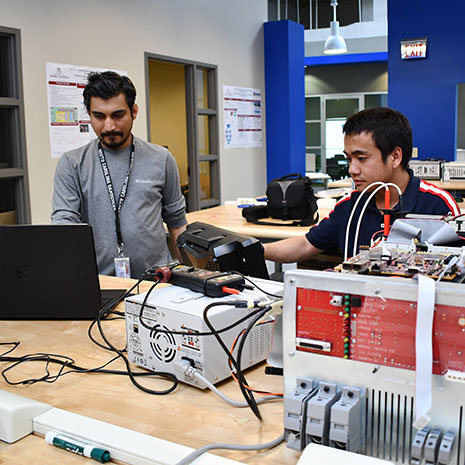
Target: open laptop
49, 272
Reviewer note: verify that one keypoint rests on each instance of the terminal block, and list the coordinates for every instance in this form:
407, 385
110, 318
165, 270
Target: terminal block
319, 413
455, 376
432, 446
347, 425
418, 446
295, 413
445, 448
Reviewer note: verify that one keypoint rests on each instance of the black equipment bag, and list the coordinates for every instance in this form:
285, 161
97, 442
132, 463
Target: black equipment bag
289, 198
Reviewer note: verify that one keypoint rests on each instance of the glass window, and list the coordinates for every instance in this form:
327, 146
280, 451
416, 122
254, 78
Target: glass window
203, 135
273, 10
312, 134
7, 201
292, 10
375, 100
6, 141
304, 14
202, 88
205, 180
341, 108
367, 10
347, 12
320, 12
313, 159
312, 108
334, 137
6, 88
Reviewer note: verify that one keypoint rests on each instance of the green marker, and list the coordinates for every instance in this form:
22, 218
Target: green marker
77, 447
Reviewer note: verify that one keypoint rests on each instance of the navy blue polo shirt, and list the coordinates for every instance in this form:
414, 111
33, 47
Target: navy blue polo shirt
419, 197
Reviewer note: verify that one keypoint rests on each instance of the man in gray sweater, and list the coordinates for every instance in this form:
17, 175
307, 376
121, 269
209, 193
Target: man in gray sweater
123, 187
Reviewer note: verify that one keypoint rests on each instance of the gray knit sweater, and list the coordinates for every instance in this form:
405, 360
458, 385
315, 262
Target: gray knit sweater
153, 196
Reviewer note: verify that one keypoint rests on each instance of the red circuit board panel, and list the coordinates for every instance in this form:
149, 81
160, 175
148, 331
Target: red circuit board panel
384, 333
318, 320
380, 332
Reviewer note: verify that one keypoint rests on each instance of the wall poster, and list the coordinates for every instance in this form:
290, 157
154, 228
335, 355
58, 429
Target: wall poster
69, 122
242, 117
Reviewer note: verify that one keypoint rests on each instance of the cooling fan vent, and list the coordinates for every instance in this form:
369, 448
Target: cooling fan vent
163, 344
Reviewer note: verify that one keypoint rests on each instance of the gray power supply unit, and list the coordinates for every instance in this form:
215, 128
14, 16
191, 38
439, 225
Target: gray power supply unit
174, 308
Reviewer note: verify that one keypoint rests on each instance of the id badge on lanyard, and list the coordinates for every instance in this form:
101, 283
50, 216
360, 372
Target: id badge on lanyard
122, 262
122, 267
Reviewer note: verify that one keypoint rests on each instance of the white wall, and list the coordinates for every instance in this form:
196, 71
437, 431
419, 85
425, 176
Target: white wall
115, 34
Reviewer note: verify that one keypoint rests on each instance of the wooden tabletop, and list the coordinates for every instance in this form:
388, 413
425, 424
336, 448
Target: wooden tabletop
456, 185
188, 416
230, 217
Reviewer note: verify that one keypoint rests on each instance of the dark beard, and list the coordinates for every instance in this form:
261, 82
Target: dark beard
113, 144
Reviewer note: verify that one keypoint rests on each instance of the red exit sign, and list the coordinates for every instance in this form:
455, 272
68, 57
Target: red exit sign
413, 48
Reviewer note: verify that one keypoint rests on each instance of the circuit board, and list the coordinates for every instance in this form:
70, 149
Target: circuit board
323, 323
403, 263
367, 329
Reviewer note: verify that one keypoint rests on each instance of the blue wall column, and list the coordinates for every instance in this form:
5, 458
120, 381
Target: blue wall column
285, 98
425, 89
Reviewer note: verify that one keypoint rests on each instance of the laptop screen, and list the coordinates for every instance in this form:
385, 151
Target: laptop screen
48, 272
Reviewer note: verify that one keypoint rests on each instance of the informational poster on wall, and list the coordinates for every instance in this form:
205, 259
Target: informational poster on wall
69, 122
242, 117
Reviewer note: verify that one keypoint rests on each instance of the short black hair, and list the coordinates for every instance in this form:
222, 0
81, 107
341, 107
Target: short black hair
389, 129
107, 85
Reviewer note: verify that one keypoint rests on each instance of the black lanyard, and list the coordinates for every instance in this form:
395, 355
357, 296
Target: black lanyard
111, 192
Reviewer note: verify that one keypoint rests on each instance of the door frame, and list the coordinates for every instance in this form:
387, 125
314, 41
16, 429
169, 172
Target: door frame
192, 113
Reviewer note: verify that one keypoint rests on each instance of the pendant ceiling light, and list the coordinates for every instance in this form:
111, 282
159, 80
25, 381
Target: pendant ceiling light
335, 43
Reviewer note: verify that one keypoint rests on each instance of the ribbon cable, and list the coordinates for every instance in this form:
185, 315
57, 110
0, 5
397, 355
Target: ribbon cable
424, 350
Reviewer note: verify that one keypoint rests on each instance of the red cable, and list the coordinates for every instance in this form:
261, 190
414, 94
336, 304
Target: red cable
229, 290
387, 206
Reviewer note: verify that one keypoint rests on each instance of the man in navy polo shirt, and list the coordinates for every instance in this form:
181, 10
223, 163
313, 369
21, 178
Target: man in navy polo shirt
378, 147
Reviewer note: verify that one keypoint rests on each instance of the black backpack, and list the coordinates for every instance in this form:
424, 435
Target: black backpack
290, 197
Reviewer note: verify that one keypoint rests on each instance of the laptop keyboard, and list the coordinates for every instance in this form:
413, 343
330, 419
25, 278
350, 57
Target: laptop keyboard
109, 295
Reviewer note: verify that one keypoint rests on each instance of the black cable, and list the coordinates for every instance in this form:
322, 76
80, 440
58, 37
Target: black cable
144, 303
14, 344
251, 324
163, 374
204, 333
68, 362
65, 361
248, 395
184, 333
258, 287
40, 356
103, 312
241, 379
256, 391
91, 337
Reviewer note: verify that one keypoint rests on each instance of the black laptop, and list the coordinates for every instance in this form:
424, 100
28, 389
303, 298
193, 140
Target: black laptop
49, 272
